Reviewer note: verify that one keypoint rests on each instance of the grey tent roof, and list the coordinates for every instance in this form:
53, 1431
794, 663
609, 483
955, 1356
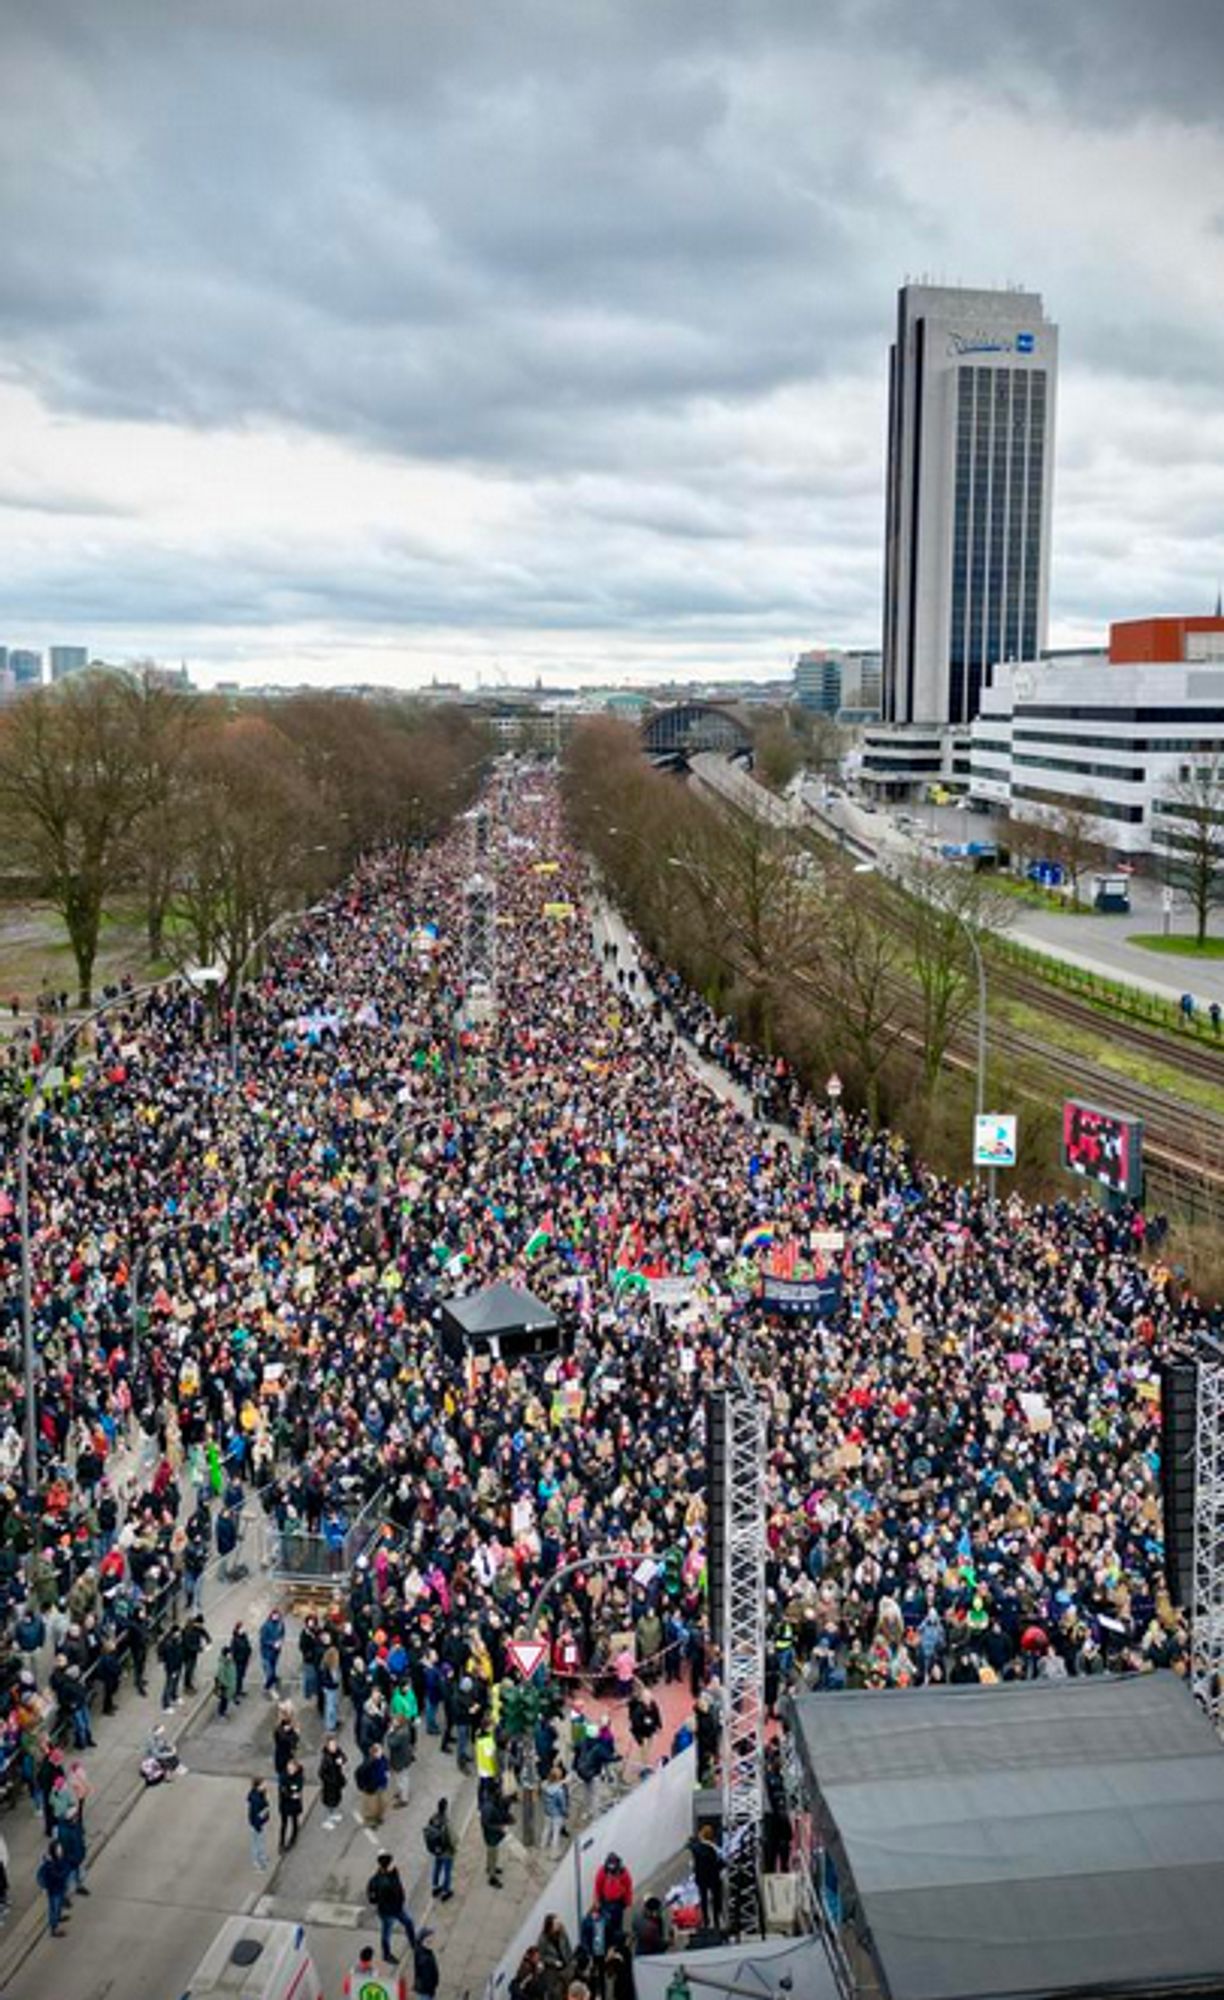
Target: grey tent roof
1045, 1838
500, 1308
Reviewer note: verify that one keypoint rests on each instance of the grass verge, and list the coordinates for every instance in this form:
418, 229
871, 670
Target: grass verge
1108, 1053
1178, 947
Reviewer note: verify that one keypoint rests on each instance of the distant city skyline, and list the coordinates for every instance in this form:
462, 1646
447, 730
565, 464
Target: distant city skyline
551, 341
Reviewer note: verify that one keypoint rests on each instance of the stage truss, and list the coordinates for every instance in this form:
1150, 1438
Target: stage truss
480, 950
744, 1553
1207, 1610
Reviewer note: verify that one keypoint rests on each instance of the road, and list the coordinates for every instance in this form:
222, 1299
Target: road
169, 1865
1096, 943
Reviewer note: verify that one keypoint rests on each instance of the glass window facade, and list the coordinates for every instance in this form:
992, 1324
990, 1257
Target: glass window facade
996, 525
1099, 808
1127, 774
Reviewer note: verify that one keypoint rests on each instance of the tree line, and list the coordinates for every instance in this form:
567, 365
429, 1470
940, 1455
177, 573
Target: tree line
816, 956
217, 816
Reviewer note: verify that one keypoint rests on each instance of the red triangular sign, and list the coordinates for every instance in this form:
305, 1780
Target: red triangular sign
527, 1655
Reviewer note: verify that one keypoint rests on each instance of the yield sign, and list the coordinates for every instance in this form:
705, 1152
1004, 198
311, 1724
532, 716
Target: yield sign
527, 1655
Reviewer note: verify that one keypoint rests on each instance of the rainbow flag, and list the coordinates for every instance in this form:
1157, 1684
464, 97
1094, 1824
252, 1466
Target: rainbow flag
757, 1237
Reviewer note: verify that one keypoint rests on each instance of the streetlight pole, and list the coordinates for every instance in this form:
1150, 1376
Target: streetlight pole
269, 930
979, 963
970, 930
59, 1048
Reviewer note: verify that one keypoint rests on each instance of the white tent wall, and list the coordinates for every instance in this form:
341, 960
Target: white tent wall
647, 1829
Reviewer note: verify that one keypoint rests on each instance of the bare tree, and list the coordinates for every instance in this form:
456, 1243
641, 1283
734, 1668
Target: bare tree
751, 882
1191, 814
253, 840
1024, 839
944, 904
71, 791
164, 720
777, 752
861, 983
1074, 841
822, 739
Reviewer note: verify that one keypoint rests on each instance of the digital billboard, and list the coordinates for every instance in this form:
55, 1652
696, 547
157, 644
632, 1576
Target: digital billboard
1103, 1146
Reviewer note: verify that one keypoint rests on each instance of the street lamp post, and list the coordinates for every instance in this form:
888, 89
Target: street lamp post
980, 1093
269, 930
59, 1048
869, 868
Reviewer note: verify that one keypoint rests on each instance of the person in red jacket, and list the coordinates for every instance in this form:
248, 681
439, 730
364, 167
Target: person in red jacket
614, 1895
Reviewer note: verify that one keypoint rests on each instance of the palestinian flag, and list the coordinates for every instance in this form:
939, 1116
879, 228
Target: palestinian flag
540, 1239
624, 1282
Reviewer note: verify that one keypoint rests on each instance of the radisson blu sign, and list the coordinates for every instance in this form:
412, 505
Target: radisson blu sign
990, 343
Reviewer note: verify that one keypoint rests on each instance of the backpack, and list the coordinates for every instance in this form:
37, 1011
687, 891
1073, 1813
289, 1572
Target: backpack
433, 1838
363, 1777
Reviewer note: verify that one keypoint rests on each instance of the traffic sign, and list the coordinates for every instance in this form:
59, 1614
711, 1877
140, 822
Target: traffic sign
527, 1655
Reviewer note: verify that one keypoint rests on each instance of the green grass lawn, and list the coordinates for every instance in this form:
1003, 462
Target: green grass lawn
1037, 898
1110, 1054
1179, 947
34, 950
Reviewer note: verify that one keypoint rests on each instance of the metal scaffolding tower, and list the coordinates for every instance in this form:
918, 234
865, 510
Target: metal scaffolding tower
480, 950
1207, 1610
736, 1557
480, 834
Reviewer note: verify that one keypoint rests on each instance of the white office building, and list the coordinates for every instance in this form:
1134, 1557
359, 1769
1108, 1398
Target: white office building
1112, 732
972, 379
861, 675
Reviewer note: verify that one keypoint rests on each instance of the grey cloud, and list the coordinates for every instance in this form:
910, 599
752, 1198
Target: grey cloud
28, 499
585, 246
1110, 60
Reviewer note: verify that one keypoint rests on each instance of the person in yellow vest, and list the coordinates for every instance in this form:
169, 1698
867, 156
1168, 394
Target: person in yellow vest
486, 1761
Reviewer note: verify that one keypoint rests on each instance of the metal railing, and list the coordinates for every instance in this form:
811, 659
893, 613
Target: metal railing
295, 1555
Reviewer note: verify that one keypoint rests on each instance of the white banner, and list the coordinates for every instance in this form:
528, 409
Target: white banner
670, 1291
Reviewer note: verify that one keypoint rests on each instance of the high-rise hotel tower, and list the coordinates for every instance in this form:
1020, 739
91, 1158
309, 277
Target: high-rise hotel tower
971, 386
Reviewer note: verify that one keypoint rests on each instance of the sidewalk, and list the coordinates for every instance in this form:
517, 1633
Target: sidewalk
608, 926
113, 1767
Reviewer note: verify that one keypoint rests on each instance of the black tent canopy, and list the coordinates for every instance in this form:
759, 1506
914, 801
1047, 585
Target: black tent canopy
502, 1321
1053, 1837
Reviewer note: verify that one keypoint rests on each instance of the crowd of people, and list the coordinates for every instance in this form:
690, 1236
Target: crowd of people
237, 1290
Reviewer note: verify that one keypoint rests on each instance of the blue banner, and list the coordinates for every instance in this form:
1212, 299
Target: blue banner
816, 1298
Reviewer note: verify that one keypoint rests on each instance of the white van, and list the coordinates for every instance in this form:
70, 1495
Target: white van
257, 1958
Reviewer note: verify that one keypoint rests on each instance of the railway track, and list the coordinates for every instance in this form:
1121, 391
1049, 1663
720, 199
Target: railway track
1180, 1156
1196, 1058
1183, 1141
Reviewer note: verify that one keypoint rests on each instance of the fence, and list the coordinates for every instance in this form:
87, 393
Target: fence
294, 1555
1111, 995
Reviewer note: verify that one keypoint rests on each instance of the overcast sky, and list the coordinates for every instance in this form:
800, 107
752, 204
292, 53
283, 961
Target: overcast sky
373, 338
